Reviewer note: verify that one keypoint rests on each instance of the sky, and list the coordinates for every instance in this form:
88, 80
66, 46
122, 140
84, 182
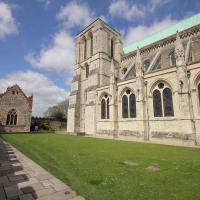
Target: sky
37, 38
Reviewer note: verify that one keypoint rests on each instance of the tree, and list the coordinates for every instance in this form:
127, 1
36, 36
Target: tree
59, 111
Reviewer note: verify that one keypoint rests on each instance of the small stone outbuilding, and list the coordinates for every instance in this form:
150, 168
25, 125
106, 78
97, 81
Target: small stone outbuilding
15, 110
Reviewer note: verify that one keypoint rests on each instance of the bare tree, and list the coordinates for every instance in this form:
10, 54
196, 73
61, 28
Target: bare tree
58, 111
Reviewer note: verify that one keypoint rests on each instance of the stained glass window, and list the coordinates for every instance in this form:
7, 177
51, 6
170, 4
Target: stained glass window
199, 92
132, 106
91, 45
173, 59
87, 71
125, 106
108, 108
157, 104
146, 65
167, 102
111, 49
103, 109
85, 49
12, 117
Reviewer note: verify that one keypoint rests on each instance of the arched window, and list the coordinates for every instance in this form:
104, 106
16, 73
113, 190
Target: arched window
198, 96
157, 105
87, 70
111, 49
11, 117
173, 59
128, 105
85, 49
105, 107
167, 101
162, 101
91, 45
146, 65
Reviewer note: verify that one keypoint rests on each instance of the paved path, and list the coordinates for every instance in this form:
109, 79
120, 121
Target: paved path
23, 179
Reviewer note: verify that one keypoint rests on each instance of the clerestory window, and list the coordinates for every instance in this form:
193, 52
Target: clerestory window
173, 59
11, 117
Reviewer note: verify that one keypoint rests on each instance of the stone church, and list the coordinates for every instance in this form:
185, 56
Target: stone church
15, 110
149, 90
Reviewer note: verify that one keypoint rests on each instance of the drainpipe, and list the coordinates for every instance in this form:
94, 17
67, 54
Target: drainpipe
147, 107
192, 109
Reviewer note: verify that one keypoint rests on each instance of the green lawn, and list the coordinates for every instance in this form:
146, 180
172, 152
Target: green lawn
95, 167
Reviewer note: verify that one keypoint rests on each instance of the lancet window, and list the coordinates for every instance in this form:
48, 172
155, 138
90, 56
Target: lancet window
162, 101
11, 117
128, 105
105, 107
85, 49
173, 59
91, 45
111, 48
87, 70
146, 65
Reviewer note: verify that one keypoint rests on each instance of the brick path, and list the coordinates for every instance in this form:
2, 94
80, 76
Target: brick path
23, 179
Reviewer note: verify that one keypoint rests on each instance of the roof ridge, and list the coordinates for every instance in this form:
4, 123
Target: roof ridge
128, 48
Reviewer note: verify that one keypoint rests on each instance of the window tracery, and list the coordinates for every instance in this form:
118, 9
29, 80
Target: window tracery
11, 117
128, 105
105, 107
162, 101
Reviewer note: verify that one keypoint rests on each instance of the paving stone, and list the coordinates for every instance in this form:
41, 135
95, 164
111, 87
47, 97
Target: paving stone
55, 180
44, 177
17, 178
4, 179
46, 183
2, 194
62, 195
5, 172
33, 187
43, 192
60, 186
4, 168
26, 197
6, 164
29, 182
12, 183
12, 191
37, 169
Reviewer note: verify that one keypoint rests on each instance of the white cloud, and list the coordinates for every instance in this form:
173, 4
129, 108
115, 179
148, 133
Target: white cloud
57, 57
134, 34
74, 14
45, 92
126, 10
47, 3
156, 3
8, 24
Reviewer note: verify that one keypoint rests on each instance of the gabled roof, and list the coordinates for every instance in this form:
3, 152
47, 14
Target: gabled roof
29, 99
180, 26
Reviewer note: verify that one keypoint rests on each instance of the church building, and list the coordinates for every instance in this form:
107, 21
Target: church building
15, 110
147, 91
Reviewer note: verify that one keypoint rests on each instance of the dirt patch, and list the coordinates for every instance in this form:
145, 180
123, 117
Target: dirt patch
152, 168
131, 163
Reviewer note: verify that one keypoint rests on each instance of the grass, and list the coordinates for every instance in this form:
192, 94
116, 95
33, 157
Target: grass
95, 167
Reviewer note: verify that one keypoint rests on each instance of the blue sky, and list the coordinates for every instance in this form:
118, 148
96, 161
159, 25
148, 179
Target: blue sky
37, 38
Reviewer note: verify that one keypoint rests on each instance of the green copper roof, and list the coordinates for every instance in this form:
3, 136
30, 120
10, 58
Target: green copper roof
180, 26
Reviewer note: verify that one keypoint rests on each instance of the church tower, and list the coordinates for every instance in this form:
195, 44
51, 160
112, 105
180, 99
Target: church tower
96, 46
